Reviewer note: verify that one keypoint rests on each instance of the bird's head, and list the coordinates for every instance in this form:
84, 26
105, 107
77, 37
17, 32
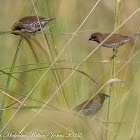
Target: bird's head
95, 37
105, 96
102, 96
16, 26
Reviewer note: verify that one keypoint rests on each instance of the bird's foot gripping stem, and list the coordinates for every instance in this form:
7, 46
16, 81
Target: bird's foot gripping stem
114, 55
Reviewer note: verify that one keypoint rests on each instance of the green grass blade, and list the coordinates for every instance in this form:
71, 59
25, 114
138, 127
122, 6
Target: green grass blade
8, 80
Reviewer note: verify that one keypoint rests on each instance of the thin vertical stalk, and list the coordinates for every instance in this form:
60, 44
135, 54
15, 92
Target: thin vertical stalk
61, 96
110, 91
117, 14
8, 81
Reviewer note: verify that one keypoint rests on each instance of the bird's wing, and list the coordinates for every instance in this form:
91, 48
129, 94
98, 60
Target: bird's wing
115, 38
79, 107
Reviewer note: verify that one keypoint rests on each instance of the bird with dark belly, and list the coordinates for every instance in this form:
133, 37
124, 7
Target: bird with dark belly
90, 108
114, 41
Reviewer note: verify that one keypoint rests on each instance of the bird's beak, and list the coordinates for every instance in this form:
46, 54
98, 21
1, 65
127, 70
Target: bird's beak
106, 96
91, 39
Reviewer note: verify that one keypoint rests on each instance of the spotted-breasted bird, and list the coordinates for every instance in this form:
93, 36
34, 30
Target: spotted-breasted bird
114, 41
31, 24
93, 106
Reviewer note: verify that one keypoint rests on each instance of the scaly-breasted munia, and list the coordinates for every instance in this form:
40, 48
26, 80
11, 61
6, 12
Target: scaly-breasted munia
114, 41
93, 106
31, 24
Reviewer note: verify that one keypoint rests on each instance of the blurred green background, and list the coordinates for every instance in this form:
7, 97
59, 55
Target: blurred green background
69, 14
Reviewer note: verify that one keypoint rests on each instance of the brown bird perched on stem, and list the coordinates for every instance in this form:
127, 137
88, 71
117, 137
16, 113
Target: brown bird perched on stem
31, 24
93, 106
114, 41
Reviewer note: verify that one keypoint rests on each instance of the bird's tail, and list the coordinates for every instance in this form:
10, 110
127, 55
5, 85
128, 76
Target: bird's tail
49, 19
134, 35
46, 20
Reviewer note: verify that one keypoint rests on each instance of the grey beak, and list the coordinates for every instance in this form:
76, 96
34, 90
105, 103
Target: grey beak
91, 39
106, 96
